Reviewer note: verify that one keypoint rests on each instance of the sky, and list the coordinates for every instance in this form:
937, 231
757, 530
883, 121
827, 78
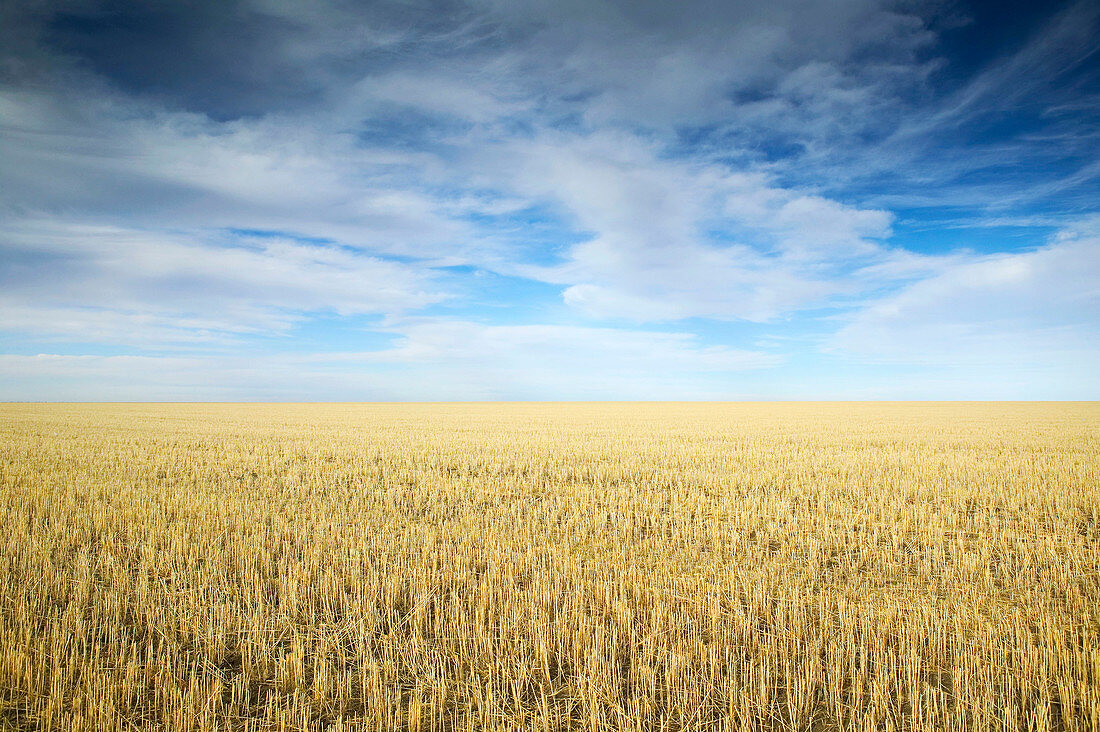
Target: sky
534, 200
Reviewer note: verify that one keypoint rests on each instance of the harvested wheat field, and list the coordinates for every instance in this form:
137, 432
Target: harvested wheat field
550, 566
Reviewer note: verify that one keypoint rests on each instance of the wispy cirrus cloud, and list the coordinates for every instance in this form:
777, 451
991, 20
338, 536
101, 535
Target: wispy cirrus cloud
429, 360
124, 286
1004, 312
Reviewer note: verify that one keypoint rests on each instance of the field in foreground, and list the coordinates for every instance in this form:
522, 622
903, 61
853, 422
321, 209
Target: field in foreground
550, 566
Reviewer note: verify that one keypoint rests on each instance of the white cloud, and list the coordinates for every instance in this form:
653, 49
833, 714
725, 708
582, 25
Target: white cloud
1032, 312
103, 325
84, 281
105, 157
431, 359
553, 347
650, 256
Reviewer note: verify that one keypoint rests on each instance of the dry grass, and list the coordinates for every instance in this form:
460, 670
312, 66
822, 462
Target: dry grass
550, 567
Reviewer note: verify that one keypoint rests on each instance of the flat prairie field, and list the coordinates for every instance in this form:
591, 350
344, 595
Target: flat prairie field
722, 566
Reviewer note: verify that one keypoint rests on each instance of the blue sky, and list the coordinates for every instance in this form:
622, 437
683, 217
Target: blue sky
272, 200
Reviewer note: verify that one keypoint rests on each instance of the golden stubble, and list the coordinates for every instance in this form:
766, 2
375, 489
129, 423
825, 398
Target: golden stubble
550, 567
